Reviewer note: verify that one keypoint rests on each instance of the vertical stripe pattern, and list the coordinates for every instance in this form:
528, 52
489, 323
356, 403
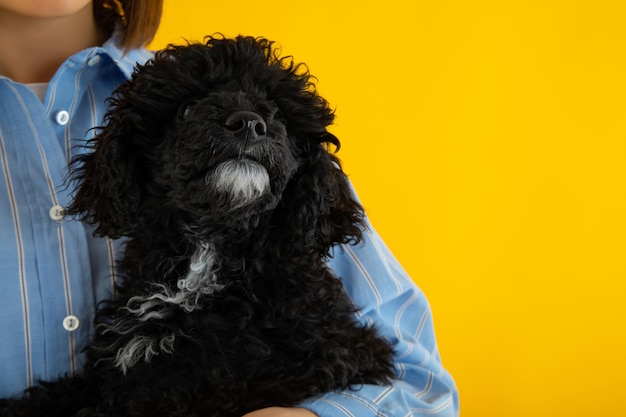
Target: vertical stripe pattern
20, 260
53, 269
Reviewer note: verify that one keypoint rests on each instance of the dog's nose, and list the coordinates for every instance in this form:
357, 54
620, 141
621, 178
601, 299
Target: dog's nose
246, 124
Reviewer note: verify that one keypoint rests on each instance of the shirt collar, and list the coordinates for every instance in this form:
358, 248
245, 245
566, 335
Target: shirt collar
125, 60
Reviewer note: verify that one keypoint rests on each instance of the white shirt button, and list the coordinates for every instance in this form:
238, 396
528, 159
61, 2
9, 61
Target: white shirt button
93, 60
71, 323
62, 117
56, 213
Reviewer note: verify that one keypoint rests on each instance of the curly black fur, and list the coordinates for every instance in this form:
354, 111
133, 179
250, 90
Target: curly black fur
214, 163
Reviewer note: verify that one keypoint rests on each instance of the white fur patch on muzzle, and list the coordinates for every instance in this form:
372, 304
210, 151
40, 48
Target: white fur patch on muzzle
244, 180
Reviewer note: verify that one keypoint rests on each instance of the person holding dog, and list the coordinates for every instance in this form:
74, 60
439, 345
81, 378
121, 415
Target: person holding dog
59, 62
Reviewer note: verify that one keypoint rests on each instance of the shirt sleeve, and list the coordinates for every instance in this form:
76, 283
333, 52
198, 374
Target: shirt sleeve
390, 301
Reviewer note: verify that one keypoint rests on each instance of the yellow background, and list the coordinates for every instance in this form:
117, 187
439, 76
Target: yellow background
487, 142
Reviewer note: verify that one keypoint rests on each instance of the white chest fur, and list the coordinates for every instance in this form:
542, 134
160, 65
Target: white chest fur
200, 281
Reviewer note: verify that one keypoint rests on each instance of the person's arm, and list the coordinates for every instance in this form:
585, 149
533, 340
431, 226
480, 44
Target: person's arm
281, 412
391, 301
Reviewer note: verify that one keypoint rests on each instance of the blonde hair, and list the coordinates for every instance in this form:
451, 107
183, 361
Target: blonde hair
138, 19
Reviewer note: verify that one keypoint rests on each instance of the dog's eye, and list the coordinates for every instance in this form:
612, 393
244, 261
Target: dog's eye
279, 116
185, 108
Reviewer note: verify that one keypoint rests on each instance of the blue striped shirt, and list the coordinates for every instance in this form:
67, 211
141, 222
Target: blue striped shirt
53, 271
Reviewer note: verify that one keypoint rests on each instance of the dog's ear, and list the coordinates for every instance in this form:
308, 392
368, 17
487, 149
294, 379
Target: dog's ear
108, 194
319, 204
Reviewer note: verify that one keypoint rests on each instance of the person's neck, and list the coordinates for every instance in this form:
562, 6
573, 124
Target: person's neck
32, 49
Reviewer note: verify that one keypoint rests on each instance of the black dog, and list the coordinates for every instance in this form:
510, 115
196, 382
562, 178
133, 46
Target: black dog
214, 162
